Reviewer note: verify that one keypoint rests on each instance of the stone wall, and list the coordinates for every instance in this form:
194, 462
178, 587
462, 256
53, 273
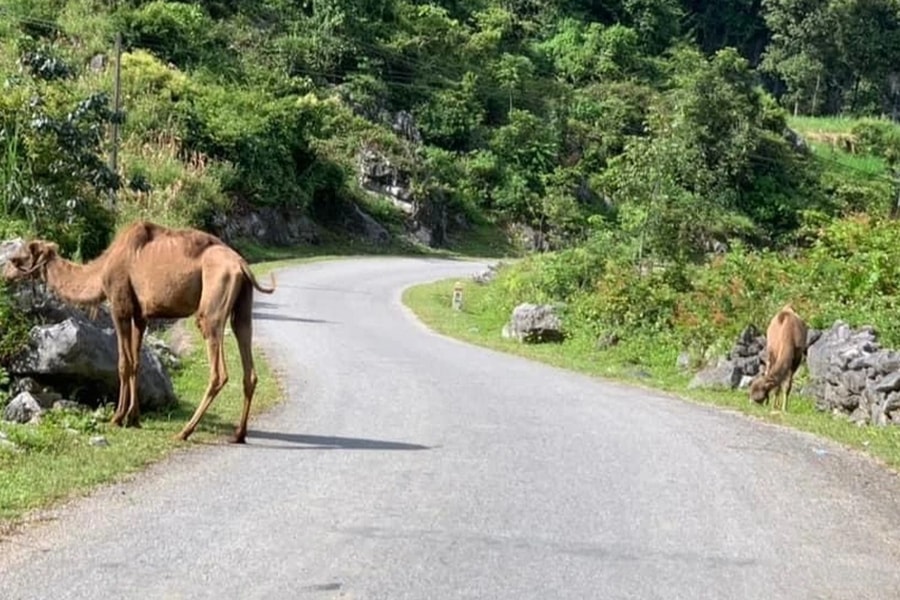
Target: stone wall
849, 373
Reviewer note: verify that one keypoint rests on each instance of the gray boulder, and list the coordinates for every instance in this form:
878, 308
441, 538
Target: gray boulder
277, 226
377, 174
487, 275
9, 248
22, 409
736, 370
534, 323
724, 374
81, 354
360, 222
405, 124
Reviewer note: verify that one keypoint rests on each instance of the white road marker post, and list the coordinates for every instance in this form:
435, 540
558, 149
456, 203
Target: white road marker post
457, 296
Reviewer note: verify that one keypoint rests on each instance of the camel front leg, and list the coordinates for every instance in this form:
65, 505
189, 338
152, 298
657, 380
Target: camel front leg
788, 383
133, 415
123, 336
218, 377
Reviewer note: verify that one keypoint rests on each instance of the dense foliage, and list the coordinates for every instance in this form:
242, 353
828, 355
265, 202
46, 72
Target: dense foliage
633, 136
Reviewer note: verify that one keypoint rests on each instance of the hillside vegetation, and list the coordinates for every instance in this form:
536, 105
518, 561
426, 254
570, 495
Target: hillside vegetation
649, 148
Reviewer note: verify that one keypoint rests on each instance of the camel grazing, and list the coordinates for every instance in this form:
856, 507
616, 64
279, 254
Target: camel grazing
785, 347
150, 271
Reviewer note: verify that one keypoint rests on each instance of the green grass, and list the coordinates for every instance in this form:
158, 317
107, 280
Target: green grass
856, 166
644, 363
859, 165
57, 461
57, 464
484, 240
822, 124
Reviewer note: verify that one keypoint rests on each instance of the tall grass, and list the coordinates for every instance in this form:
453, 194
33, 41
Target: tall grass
166, 184
822, 124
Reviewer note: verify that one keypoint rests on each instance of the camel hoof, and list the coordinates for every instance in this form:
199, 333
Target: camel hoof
116, 421
237, 439
180, 437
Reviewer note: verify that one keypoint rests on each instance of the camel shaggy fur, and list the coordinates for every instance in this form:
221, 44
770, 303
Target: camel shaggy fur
150, 271
785, 349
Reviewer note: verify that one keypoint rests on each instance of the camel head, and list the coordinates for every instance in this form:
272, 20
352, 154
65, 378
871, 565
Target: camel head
759, 391
29, 260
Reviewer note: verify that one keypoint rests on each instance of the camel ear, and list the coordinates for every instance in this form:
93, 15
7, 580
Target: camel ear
34, 248
51, 249
42, 251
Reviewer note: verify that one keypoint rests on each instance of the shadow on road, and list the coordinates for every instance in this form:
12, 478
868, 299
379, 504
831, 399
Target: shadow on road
276, 317
325, 442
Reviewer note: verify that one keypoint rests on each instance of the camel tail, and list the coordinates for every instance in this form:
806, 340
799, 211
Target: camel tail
246, 268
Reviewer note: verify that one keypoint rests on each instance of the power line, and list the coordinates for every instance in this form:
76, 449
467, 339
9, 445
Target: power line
445, 79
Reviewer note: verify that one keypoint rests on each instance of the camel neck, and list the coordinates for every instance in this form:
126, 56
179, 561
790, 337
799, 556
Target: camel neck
75, 283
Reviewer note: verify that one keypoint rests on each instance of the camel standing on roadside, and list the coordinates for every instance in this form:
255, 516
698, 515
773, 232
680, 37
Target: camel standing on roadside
785, 347
150, 271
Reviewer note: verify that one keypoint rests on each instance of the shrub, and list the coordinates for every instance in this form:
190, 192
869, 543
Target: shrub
14, 328
879, 137
165, 188
178, 32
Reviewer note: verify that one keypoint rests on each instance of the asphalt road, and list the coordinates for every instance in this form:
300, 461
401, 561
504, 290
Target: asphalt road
407, 465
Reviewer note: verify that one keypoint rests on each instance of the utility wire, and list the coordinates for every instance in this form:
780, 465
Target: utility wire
413, 81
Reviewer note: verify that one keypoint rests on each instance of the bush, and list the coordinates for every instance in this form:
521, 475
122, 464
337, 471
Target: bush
14, 327
163, 187
52, 171
266, 139
879, 137
177, 32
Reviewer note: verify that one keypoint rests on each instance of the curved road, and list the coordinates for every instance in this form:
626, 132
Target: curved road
407, 465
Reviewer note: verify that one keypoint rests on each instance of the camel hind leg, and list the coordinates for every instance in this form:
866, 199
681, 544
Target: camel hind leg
213, 332
242, 325
133, 414
220, 290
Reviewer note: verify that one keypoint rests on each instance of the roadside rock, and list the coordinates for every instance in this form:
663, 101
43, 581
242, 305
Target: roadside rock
724, 374
362, 223
74, 354
487, 275
534, 323
275, 226
742, 363
22, 409
99, 441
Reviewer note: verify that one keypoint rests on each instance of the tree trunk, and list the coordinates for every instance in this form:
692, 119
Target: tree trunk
815, 98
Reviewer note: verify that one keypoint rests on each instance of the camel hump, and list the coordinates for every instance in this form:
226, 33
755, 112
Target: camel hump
787, 312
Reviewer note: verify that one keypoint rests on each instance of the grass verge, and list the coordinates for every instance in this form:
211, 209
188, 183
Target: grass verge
644, 363
55, 460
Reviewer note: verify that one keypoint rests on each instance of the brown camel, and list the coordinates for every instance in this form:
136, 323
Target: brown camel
150, 271
785, 347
